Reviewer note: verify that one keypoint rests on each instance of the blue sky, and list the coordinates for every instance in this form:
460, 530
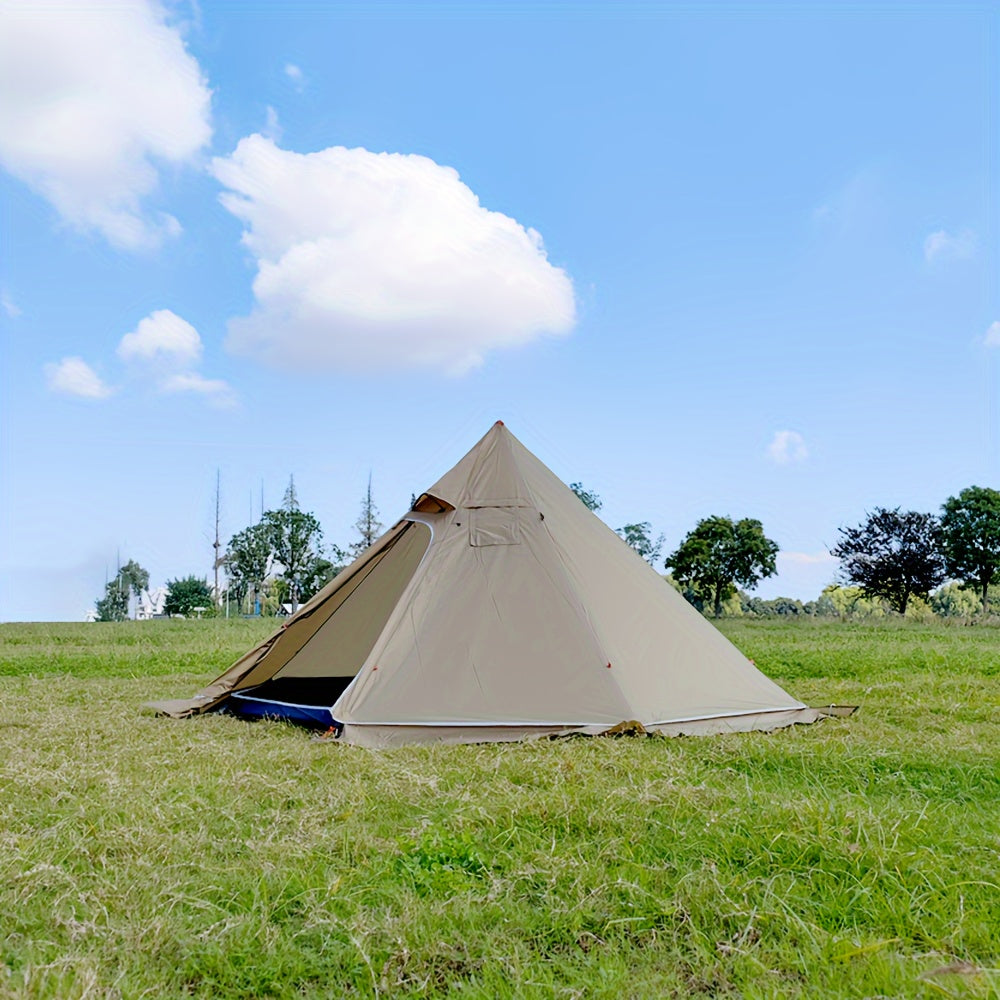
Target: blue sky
734, 259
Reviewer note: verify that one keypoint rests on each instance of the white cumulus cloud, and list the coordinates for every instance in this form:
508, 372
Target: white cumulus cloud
9, 306
942, 245
162, 337
992, 336
294, 73
74, 377
93, 97
787, 447
372, 260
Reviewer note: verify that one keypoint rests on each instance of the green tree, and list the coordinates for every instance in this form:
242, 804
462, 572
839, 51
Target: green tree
970, 531
848, 602
368, 526
776, 606
720, 553
186, 594
588, 498
295, 538
321, 571
135, 579
247, 560
953, 600
893, 554
640, 537
113, 607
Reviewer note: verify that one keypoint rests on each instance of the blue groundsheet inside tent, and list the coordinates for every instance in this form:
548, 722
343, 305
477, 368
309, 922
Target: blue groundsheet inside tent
261, 708
307, 700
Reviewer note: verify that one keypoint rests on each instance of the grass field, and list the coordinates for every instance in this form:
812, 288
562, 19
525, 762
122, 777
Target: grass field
141, 857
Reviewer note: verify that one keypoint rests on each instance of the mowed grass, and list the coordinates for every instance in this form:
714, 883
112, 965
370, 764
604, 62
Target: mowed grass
141, 857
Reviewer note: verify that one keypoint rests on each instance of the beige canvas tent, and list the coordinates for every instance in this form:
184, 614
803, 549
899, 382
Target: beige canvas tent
499, 608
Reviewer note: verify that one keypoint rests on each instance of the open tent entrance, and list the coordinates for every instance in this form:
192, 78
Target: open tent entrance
326, 649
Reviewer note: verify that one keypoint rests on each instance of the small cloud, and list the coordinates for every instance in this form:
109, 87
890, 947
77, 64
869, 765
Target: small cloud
9, 306
272, 127
217, 390
942, 245
295, 75
74, 377
992, 336
162, 336
787, 447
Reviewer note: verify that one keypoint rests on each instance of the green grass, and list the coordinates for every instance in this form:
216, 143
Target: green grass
141, 857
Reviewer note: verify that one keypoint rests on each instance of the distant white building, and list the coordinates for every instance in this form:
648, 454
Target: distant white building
150, 603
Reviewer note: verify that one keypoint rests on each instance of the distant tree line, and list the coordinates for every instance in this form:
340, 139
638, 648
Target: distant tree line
894, 561
276, 564
948, 564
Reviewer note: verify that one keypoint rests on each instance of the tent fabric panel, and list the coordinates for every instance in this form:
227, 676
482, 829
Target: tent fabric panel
487, 476
496, 480
674, 663
488, 636
301, 628
340, 647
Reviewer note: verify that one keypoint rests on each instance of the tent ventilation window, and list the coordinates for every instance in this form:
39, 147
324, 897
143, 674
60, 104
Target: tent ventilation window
494, 526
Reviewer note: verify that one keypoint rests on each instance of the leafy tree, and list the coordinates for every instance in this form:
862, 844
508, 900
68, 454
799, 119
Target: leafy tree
295, 537
775, 606
952, 600
321, 571
734, 604
893, 554
588, 498
247, 560
368, 526
135, 579
639, 537
719, 553
970, 529
186, 594
847, 602
113, 607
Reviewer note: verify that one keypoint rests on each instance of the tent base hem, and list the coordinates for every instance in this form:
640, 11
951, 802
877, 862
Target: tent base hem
382, 736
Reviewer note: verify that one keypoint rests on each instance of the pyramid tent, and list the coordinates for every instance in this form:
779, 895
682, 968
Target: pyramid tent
499, 608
